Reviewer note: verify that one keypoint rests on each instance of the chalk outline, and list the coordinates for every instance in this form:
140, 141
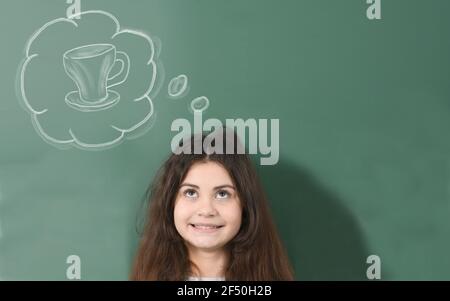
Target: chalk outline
176, 80
75, 141
109, 100
198, 99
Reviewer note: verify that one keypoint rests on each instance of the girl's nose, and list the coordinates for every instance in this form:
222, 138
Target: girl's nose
207, 208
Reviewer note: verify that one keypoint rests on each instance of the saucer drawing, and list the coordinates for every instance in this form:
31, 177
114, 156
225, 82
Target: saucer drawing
74, 100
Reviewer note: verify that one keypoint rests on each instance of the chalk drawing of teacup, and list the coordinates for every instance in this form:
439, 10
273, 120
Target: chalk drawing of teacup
89, 66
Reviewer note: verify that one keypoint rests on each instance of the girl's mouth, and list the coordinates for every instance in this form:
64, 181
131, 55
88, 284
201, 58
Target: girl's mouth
201, 227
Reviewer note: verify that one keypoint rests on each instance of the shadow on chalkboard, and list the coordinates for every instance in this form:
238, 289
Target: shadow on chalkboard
320, 234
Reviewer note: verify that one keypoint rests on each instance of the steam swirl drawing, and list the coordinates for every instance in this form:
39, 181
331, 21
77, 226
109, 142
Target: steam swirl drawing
88, 88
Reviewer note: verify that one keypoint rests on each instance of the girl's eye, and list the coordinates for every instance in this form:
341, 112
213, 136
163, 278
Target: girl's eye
190, 193
222, 194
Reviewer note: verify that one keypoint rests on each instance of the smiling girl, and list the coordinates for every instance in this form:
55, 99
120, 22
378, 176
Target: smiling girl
209, 219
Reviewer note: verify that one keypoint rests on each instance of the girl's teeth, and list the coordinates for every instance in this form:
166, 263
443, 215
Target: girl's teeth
206, 227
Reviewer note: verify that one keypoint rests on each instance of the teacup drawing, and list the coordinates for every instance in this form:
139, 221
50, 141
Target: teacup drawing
89, 66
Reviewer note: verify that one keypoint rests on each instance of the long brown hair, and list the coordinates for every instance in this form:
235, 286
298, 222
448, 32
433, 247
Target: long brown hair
255, 253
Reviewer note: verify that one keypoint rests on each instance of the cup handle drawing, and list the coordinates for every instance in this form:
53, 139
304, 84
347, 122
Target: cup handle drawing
124, 60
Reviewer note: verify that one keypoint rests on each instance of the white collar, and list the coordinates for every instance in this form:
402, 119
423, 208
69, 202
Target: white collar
194, 278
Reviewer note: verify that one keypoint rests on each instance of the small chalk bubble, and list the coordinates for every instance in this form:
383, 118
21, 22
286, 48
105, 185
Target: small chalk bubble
177, 85
200, 104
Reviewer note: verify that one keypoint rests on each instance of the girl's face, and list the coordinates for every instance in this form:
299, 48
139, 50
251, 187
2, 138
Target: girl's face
207, 210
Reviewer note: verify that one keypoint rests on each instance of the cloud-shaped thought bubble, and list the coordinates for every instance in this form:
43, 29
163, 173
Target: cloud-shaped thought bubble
86, 82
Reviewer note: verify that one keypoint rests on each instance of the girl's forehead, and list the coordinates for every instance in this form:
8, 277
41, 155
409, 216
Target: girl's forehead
208, 174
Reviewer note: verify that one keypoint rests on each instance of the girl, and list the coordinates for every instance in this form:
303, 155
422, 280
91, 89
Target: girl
208, 219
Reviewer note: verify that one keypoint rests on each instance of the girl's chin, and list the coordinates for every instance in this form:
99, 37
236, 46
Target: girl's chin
204, 246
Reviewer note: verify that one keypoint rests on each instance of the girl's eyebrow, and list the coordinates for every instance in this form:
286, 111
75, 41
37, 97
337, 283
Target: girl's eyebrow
224, 186
215, 188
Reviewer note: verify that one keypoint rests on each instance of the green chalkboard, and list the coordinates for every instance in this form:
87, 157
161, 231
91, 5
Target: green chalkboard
362, 98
